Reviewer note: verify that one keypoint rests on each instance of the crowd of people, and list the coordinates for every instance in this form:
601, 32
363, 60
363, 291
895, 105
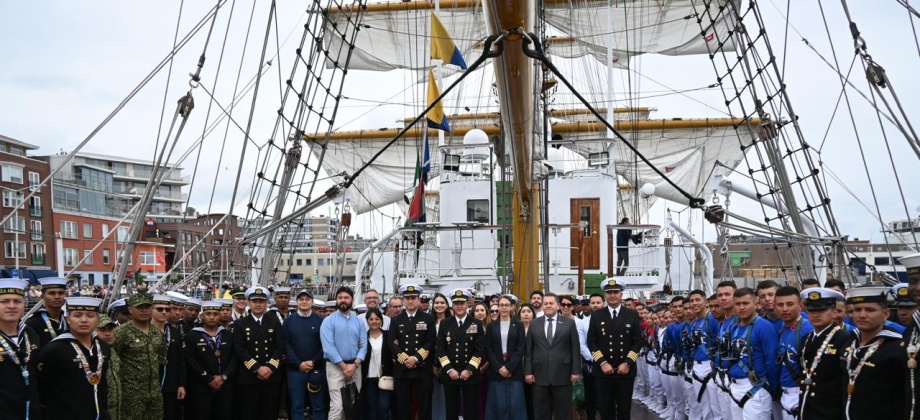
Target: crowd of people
773, 352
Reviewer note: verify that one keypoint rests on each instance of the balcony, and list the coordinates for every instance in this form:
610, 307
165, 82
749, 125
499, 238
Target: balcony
38, 260
38, 235
36, 211
173, 178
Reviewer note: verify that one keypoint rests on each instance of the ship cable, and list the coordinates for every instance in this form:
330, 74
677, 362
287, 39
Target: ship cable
533, 49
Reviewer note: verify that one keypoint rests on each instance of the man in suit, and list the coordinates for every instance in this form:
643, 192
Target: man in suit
614, 340
258, 341
822, 378
411, 339
552, 362
459, 351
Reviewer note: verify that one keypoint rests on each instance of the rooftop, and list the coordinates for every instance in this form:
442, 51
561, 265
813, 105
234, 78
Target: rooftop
22, 144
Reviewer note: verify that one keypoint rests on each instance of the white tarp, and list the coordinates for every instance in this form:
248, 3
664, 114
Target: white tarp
401, 39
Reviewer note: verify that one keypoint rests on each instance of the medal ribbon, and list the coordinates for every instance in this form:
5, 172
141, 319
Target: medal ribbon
24, 364
166, 334
912, 365
89, 373
51, 329
821, 350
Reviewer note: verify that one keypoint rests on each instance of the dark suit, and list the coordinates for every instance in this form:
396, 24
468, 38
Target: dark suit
459, 348
412, 338
256, 346
879, 392
202, 365
912, 334
825, 397
512, 360
552, 364
614, 342
172, 373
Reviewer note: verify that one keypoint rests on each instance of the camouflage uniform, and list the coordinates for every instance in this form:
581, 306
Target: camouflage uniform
140, 357
112, 376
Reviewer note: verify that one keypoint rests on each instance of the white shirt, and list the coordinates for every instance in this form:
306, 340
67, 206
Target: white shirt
614, 311
461, 321
374, 368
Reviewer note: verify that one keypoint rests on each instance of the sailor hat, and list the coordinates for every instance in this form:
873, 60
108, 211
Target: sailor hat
120, 304
902, 297
258, 292
874, 294
53, 283
82, 303
211, 305
408, 290
162, 299
225, 303
613, 284
361, 308
319, 303
820, 298
193, 303
13, 287
305, 292
177, 300
282, 291
460, 295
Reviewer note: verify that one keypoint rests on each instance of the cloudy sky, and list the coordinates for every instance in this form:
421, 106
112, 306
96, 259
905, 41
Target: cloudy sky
66, 65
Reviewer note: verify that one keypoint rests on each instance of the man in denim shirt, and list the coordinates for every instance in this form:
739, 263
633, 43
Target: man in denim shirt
344, 338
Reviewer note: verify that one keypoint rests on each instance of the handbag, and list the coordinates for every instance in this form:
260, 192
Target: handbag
385, 383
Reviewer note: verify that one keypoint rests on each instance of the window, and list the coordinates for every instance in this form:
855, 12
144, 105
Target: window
15, 150
69, 229
105, 257
38, 254
299, 262
477, 211
148, 258
309, 262
87, 230
92, 278
585, 219
105, 230
15, 249
319, 262
12, 198
35, 181
87, 256
105, 279
882, 261
70, 257
11, 173
122, 233
35, 206
37, 233
15, 224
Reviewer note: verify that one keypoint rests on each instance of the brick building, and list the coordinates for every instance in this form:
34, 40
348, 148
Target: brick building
28, 236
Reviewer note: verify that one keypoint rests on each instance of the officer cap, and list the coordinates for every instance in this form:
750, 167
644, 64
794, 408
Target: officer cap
820, 298
424, 297
239, 292
410, 290
613, 284
83, 303
902, 297
460, 295
874, 294
258, 292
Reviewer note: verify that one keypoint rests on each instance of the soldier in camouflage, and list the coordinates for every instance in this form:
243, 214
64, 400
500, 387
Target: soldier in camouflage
141, 351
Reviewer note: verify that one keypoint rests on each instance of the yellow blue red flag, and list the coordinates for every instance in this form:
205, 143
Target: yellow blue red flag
442, 45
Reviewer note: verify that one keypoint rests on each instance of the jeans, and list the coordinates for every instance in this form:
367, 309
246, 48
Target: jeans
297, 390
505, 400
376, 401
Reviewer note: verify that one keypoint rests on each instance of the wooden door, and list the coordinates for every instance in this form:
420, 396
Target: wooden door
586, 240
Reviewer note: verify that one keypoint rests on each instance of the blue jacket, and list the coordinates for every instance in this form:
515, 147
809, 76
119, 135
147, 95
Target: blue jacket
302, 340
708, 328
790, 343
760, 351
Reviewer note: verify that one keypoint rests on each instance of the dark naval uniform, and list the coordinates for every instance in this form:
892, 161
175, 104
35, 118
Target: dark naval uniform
172, 373
47, 327
614, 341
69, 388
18, 376
821, 395
256, 345
878, 390
912, 346
412, 337
207, 357
459, 348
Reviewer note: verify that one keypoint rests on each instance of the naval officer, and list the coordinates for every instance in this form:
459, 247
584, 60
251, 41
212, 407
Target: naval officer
459, 352
412, 338
258, 341
822, 377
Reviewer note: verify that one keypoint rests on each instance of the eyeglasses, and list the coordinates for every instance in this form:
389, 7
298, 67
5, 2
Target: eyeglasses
504, 305
395, 306
565, 305
161, 309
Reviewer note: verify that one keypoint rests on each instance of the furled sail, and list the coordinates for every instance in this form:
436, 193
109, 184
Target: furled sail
396, 35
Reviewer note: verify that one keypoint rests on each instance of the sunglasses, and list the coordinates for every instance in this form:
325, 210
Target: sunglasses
161, 309
565, 305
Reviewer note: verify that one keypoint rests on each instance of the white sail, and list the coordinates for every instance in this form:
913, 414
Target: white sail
400, 39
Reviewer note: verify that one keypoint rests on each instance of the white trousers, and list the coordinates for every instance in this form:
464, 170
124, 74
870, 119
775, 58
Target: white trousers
788, 401
708, 407
640, 389
677, 410
758, 407
335, 380
724, 398
690, 397
656, 389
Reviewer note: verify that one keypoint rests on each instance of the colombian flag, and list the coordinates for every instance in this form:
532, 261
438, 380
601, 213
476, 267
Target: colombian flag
417, 206
436, 117
442, 45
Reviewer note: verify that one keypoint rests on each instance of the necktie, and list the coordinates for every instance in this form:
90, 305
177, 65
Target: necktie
614, 314
459, 323
259, 322
549, 330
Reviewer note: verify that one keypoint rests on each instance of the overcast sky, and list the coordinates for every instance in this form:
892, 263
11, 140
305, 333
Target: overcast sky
67, 64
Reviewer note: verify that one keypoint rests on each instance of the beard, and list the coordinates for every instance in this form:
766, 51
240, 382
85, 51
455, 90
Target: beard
344, 307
